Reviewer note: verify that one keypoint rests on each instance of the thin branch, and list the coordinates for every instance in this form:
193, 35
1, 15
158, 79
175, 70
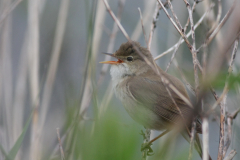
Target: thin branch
147, 15
154, 23
231, 155
193, 49
223, 103
190, 88
173, 100
218, 18
188, 34
225, 18
179, 25
181, 32
116, 20
144, 33
174, 53
219, 11
159, 136
166, 81
186, 25
188, 20
230, 118
234, 114
96, 19
229, 136
56, 50
225, 90
106, 100
174, 15
112, 39
60, 145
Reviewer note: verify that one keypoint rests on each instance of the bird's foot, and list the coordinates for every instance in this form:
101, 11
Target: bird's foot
147, 146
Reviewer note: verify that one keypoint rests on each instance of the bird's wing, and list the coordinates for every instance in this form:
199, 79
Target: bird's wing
150, 92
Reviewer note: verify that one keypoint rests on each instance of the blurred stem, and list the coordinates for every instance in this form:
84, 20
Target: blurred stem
6, 78
192, 139
86, 86
112, 39
33, 60
146, 140
20, 92
8, 11
223, 103
86, 91
205, 129
51, 73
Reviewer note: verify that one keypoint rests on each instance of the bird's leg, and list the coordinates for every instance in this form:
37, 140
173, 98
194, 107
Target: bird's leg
147, 145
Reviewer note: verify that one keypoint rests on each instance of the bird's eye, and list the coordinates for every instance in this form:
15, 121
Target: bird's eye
129, 59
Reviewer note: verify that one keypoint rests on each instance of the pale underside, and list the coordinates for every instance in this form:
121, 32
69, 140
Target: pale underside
147, 101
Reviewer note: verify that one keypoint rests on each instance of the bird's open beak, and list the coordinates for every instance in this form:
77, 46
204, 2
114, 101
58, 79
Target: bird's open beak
111, 62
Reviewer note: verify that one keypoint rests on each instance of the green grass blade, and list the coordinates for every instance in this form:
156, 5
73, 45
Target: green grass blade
13, 152
3, 151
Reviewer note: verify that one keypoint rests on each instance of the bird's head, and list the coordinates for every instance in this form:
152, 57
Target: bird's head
128, 56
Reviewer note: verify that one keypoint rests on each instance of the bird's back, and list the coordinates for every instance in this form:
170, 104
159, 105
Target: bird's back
148, 96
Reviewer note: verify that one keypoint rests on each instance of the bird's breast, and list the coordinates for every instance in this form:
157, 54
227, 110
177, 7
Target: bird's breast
139, 112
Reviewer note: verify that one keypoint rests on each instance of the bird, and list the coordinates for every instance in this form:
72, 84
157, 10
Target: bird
138, 82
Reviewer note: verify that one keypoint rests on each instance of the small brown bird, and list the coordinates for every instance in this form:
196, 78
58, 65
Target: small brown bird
144, 94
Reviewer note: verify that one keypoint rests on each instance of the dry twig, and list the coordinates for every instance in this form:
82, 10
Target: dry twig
225, 90
193, 49
144, 33
154, 23
230, 118
190, 88
174, 15
218, 18
223, 98
174, 53
60, 145
112, 39
225, 18
188, 34
231, 155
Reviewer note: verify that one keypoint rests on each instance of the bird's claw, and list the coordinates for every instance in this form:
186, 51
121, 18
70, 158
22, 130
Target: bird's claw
147, 146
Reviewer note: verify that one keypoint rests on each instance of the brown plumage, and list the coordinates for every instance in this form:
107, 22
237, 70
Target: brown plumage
143, 93
148, 90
